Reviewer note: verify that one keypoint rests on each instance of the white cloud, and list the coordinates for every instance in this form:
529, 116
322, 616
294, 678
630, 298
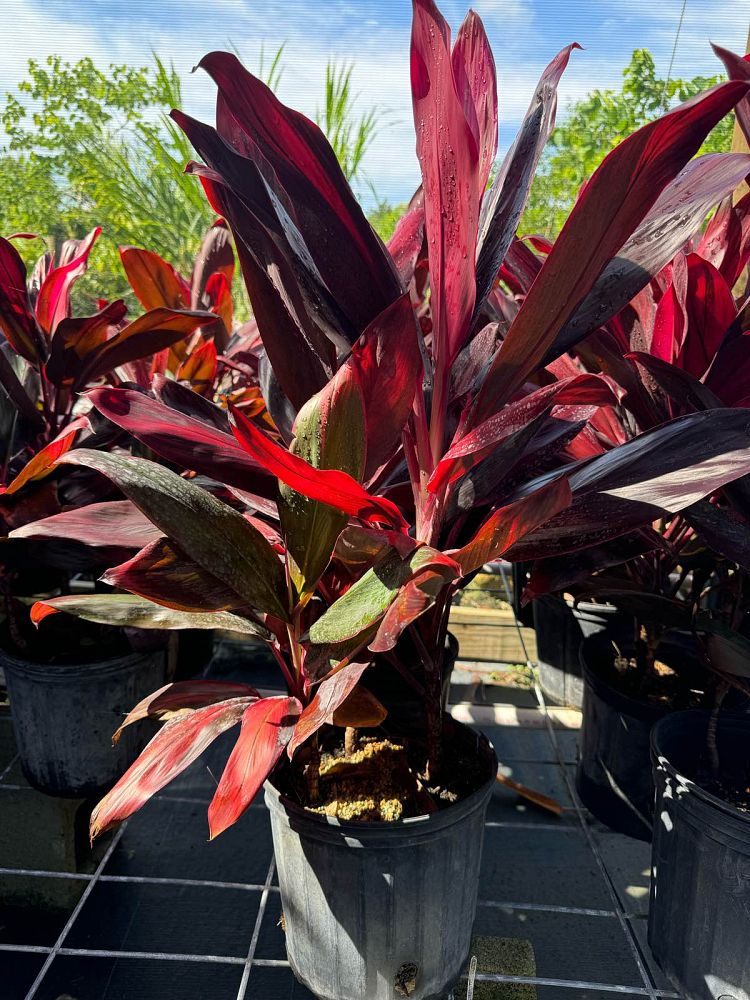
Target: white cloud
376, 39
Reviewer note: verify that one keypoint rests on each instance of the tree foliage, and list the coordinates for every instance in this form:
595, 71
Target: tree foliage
595, 125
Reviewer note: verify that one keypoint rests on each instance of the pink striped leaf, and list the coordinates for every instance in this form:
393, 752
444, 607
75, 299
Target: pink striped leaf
267, 727
177, 744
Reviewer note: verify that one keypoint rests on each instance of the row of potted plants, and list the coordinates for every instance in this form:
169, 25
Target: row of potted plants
395, 418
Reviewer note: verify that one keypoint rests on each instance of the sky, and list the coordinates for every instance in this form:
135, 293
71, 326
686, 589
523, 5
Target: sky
374, 35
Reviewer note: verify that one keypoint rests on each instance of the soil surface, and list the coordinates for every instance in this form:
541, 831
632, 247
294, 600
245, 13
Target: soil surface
380, 779
732, 787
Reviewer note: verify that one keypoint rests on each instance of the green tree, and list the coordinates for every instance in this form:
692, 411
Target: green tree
595, 125
95, 147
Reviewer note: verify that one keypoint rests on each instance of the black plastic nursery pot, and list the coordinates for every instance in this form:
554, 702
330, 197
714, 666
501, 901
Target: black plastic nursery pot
614, 778
64, 717
699, 916
371, 907
561, 625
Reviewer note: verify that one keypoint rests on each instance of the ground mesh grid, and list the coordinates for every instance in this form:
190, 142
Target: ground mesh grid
164, 914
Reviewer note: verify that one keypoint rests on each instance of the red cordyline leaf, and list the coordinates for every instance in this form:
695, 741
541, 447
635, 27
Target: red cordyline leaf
116, 523
412, 600
476, 85
388, 364
190, 442
155, 282
177, 744
16, 320
215, 257
267, 727
53, 302
710, 312
673, 220
75, 338
615, 200
729, 375
478, 443
726, 241
330, 486
503, 205
298, 319
407, 240
146, 335
218, 292
738, 68
299, 162
670, 319
199, 367
162, 573
455, 123
43, 463
182, 696
331, 692
511, 523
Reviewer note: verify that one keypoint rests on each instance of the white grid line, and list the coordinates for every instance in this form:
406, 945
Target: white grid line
6, 770
76, 910
581, 911
256, 932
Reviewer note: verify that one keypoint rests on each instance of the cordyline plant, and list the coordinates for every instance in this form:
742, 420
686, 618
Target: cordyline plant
678, 348
221, 360
417, 434
47, 358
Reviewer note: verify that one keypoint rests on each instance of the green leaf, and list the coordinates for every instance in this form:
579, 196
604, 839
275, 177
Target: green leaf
329, 434
369, 598
208, 531
136, 612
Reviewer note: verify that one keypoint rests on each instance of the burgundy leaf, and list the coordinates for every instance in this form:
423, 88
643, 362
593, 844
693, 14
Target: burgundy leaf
674, 465
252, 120
162, 573
75, 337
738, 68
408, 238
388, 363
609, 209
146, 335
504, 204
449, 148
16, 320
508, 525
186, 440
478, 443
114, 522
675, 217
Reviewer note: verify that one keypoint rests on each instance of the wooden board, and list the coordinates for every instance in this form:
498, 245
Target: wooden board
487, 634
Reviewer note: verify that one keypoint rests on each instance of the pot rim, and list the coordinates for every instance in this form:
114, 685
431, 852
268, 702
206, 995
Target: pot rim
371, 830
58, 671
662, 762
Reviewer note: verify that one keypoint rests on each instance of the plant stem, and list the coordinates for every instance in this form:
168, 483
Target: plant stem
433, 705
